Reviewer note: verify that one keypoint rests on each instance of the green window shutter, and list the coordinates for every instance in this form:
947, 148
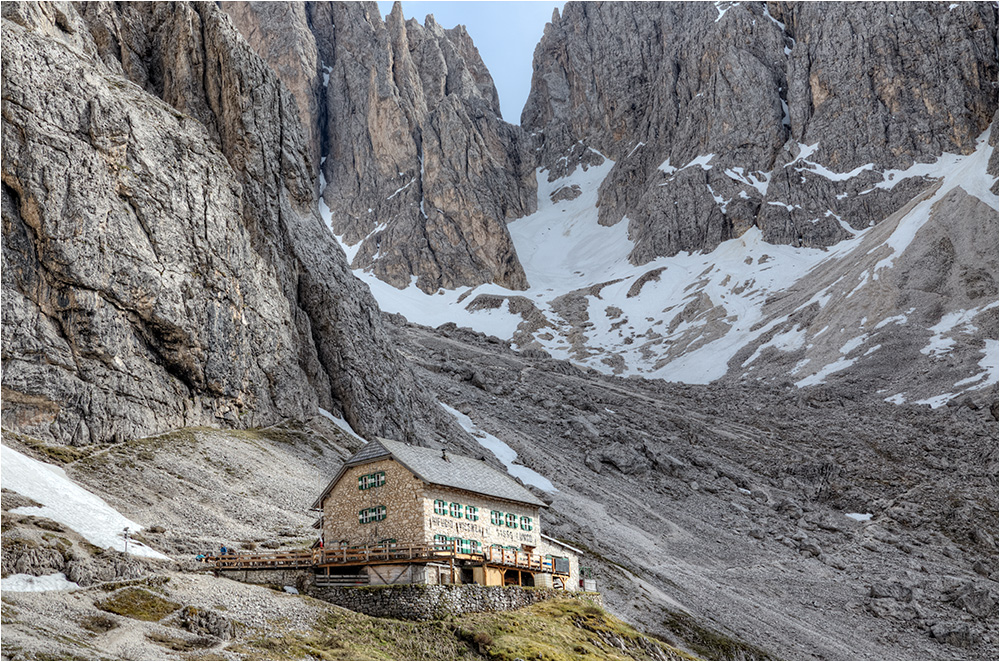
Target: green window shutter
361, 482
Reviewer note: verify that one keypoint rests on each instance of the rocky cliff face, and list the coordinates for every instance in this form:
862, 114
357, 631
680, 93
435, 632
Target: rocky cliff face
164, 261
420, 167
786, 116
420, 172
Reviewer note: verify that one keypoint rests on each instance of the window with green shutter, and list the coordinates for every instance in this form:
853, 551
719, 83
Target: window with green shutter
472, 513
526, 524
375, 514
369, 481
496, 517
456, 510
440, 507
510, 520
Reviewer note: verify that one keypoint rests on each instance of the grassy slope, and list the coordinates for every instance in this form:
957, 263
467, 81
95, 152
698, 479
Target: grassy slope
562, 629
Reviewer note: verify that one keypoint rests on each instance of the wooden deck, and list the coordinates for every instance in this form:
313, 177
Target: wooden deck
394, 553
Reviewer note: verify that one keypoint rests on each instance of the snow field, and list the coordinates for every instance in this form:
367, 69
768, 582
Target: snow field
69, 504
688, 324
30, 583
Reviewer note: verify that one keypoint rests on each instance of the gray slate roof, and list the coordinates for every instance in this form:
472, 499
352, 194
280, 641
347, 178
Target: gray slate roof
458, 471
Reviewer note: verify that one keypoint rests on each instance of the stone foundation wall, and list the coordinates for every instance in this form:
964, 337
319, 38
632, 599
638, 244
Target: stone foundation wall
291, 577
421, 603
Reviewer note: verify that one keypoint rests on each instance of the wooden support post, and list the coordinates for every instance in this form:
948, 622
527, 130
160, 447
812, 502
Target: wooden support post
452, 563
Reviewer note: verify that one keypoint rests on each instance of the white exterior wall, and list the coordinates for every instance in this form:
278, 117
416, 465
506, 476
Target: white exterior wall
482, 530
556, 549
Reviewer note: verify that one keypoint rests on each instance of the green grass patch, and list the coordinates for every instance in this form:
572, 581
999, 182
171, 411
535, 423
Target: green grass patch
561, 629
98, 623
61, 455
180, 644
711, 644
138, 603
155, 583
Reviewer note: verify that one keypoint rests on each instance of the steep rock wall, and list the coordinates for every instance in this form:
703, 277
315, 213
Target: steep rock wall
796, 110
165, 263
420, 173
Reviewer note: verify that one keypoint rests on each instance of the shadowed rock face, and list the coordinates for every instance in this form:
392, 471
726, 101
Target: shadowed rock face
164, 262
874, 87
419, 169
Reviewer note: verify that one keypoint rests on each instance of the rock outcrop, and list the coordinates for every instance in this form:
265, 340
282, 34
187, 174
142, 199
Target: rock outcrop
420, 168
164, 260
421, 174
785, 116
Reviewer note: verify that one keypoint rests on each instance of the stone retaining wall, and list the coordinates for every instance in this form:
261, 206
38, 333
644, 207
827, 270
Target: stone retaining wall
287, 577
422, 603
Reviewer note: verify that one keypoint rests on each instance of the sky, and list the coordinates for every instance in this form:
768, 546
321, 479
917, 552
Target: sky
505, 34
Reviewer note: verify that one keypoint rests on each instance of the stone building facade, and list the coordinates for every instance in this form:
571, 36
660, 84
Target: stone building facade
395, 493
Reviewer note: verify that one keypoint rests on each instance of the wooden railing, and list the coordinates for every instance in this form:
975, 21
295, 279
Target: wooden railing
264, 561
514, 558
383, 553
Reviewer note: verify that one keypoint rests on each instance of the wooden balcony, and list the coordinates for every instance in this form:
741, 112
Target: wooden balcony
387, 553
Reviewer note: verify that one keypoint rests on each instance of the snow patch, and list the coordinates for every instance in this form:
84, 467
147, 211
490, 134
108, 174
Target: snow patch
937, 401
859, 517
343, 425
990, 363
703, 162
825, 371
958, 320
954, 170
757, 180
403, 188
25, 583
853, 344
69, 504
789, 341
502, 451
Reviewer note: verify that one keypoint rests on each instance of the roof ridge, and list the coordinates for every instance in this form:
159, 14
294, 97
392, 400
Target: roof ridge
428, 464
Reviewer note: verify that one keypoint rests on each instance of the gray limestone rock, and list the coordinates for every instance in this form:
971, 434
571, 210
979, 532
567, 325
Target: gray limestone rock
165, 264
421, 172
204, 621
782, 116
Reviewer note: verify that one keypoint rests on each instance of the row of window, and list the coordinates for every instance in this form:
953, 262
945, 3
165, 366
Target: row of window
464, 546
511, 521
374, 514
456, 510
476, 547
368, 481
